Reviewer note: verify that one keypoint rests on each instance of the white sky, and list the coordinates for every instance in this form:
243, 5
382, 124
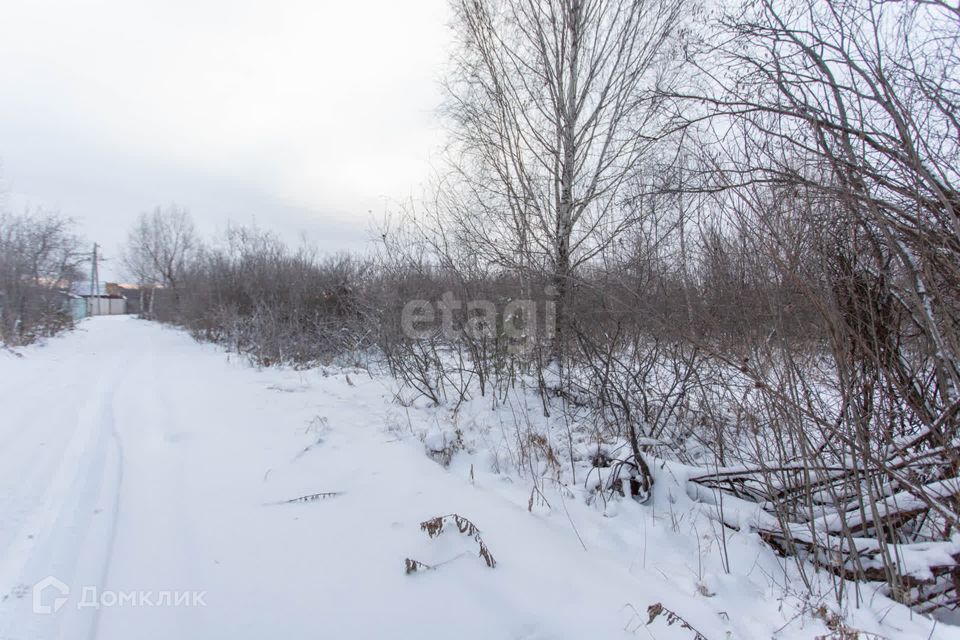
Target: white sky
301, 115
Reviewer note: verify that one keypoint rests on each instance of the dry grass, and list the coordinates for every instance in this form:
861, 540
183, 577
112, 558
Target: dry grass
435, 526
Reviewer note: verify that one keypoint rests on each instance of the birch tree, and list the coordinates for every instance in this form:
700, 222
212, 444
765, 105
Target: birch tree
552, 118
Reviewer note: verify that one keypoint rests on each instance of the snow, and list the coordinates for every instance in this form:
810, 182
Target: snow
136, 462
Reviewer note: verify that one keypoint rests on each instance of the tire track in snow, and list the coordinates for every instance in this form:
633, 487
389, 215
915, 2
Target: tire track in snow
114, 516
57, 535
151, 507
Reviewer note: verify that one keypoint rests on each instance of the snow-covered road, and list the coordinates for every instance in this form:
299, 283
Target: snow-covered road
147, 474
139, 466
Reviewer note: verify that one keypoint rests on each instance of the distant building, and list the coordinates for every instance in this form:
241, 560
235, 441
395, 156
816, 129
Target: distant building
139, 297
100, 302
129, 292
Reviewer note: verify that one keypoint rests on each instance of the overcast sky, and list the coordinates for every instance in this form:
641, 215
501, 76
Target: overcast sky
301, 115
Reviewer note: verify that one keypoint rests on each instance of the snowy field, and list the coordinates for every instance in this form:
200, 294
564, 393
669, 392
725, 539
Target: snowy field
155, 481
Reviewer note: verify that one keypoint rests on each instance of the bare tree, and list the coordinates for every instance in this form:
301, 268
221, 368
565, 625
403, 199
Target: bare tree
552, 118
159, 247
39, 259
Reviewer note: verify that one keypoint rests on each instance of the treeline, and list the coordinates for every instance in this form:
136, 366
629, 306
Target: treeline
727, 237
281, 305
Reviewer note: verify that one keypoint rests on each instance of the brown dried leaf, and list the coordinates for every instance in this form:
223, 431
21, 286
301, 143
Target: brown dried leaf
658, 609
434, 527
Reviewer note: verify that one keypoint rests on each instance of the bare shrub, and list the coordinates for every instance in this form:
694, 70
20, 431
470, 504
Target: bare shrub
844, 188
40, 258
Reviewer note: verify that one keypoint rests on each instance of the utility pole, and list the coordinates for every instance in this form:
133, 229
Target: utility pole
94, 283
